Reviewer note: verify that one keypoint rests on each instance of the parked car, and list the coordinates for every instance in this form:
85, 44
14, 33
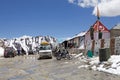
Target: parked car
45, 51
9, 52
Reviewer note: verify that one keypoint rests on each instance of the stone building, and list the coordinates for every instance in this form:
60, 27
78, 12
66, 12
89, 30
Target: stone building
94, 35
115, 31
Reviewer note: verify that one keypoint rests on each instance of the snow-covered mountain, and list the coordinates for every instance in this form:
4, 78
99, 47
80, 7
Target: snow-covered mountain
29, 42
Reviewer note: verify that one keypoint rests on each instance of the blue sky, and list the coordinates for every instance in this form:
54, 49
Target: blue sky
57, 18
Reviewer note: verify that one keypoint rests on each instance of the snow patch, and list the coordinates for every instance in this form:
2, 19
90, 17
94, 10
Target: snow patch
111, 66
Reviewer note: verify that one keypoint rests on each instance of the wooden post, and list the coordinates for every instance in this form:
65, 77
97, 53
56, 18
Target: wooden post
93, 45
112, 45
102, 43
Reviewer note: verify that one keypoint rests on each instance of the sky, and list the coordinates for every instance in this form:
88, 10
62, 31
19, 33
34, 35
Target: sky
57, 18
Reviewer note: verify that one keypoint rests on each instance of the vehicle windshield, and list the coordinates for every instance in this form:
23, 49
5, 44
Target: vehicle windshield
45, 47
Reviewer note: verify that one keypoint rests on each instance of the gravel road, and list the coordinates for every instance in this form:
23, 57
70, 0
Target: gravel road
30, 68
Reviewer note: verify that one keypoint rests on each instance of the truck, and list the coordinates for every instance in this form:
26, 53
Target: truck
45, 50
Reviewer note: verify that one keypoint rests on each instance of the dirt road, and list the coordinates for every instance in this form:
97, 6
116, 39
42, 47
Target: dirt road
29, 68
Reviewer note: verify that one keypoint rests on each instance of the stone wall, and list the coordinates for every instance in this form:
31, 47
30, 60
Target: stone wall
114, 33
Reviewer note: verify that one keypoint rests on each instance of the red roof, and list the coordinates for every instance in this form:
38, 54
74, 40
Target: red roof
99, 26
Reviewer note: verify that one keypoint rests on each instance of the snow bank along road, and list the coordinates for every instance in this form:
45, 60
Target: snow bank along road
29, 68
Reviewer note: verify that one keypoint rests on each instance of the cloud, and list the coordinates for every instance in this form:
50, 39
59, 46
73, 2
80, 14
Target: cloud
107, 8
84, 3
87, 3
71, 1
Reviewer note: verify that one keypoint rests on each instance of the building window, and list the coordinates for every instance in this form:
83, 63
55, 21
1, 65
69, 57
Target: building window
100, 34
92, 33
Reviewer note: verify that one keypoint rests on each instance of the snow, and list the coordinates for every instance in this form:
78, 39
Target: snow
68, 38
114, 68
26, 41
111, 66
77, 35
116, 26
1, 51
81, 46
78, 55
25, 47
81, 34
83, 66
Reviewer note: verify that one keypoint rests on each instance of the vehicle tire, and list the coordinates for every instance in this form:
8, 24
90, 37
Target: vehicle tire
50, 57
39, 58
58, 57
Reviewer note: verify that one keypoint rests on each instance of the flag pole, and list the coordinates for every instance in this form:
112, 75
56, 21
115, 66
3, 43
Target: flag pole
98, 13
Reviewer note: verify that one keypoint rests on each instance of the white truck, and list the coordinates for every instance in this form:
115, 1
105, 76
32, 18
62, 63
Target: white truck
45, 50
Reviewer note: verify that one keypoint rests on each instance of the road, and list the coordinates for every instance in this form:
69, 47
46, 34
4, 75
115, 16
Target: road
30, 68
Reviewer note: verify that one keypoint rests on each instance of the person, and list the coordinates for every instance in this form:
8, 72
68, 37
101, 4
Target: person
19, 49
63, 51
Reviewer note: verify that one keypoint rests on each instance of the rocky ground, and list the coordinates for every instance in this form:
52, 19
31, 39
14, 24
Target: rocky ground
30, 68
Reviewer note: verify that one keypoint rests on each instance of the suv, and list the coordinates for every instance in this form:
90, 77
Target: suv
9, 52
45, 51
